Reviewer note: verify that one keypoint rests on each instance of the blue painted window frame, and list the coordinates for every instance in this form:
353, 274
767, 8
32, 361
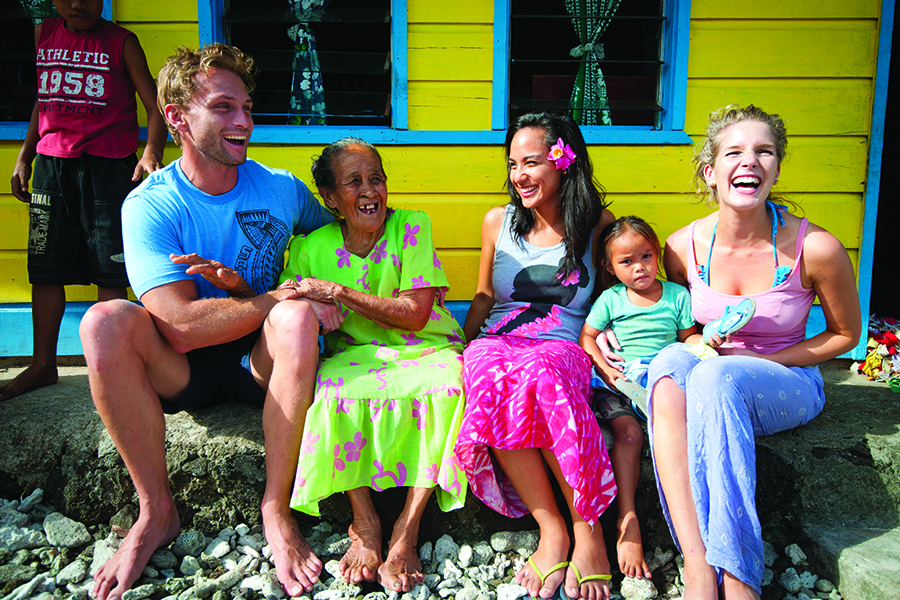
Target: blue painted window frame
673, 81
673, 89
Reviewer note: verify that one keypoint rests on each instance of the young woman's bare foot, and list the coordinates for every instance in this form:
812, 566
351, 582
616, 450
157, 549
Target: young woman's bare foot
700, 581
295, 564
588, 558
402, 570
629, 550
33, 377
552, 550
363, 559
153, 529
734, 589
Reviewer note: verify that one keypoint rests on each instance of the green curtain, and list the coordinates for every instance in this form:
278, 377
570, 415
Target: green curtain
307, 92
589, 101
38, 10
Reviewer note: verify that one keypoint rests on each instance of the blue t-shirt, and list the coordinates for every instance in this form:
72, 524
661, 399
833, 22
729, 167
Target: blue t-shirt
642, 331
247, 228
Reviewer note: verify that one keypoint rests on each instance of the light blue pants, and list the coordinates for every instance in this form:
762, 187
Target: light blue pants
731, 399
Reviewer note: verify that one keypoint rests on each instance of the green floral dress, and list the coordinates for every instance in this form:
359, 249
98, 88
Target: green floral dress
388, 402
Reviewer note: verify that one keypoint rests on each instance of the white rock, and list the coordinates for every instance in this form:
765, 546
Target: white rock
795, 554
808, 580
139, 592
483, 554
73, 572
31, 501
254, 582
64, 532
464, 556
426, 553
218, 548
103, 551
254, 541
823, 585
272, 587
768, 576
15, 538
432, 580
769, 554
26, 589
790, 580
510, 591
638, 589
446, 549
333, 568
190, 566
242, 529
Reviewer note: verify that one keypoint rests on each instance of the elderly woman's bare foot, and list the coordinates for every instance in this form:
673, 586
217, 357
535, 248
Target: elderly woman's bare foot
155, 527
629, 549
402, 570
363, 560
295, 564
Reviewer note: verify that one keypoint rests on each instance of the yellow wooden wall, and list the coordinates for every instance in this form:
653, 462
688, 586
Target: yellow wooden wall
811, 61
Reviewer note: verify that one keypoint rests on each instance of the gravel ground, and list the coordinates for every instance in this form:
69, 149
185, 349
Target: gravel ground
46, 555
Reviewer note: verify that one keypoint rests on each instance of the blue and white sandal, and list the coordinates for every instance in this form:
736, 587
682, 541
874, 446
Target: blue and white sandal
636, 393
733, 320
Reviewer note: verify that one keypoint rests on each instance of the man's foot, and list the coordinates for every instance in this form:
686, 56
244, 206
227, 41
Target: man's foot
295, 564
402, 570
540, 576
362, 561
150, 532
588, 562
629, 550
32, 377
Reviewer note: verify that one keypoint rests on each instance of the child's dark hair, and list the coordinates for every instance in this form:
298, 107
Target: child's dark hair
617, 229
581, 198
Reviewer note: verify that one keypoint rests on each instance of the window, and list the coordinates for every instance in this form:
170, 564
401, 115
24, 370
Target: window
319, 62
546, 51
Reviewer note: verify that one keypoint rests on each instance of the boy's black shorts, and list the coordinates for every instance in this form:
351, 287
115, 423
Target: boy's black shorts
219, 374
75, 237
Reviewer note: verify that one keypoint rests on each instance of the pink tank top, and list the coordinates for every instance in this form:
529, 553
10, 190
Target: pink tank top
781, 312
86, 100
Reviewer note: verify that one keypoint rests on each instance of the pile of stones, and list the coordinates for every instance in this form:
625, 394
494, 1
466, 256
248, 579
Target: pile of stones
45, 555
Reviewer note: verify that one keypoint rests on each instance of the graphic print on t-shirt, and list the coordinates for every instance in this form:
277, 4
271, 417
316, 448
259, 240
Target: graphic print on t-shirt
262, 259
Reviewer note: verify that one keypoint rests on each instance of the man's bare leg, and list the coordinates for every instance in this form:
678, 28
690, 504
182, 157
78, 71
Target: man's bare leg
129, 366
286, 356
48, 302
362, 560
402, 570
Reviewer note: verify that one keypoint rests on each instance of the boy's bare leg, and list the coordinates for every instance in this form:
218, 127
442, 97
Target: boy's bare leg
402, 570
129, 366
48, 302
104, 294
362, 560
286, 356
626, 463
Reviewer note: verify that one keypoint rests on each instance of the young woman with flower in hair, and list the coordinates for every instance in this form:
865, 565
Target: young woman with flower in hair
527, 380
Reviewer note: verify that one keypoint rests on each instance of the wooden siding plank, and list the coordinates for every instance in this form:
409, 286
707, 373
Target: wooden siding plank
461, 267
786, 9
455, 219
153, 12
159, 40
810, 106
450, 52
458, 11
453, 106
783, 48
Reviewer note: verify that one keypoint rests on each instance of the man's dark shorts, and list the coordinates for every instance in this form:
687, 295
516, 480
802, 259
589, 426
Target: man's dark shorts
75, 236
219, 374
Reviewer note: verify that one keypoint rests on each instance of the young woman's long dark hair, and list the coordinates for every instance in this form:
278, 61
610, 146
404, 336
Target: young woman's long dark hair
581, 199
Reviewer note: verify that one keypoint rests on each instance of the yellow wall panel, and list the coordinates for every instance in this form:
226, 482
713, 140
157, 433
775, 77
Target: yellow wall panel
782, 48
461, 267
159, 40
14, 286
455, 219
785, 9
809, 106
155, 12
453, 105
450, 52
14, 216
458, 11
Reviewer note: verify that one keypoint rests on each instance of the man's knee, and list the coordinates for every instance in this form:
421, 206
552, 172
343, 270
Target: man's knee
110, 323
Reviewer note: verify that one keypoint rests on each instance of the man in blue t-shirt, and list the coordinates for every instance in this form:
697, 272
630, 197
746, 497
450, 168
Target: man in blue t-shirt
204, 244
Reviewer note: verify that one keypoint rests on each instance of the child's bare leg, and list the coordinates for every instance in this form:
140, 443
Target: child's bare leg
104, 294
402, 570
363, 559
589, 552
525, 469
626, 464
48, 302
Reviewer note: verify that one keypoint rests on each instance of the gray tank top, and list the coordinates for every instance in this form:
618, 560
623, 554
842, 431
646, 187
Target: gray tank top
530, 300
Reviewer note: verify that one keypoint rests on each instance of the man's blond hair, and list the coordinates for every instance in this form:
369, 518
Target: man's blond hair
176, 78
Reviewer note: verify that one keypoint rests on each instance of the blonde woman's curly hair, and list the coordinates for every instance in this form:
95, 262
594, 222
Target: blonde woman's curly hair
176, 78
721, 119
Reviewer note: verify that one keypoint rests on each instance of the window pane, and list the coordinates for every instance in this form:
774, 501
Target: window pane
543, 71
18, 77
328, 63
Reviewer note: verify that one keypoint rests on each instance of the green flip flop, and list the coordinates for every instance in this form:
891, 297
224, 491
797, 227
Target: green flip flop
550, 572
562, 589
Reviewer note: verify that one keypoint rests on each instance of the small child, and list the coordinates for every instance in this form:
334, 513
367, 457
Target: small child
645, 315
84, 134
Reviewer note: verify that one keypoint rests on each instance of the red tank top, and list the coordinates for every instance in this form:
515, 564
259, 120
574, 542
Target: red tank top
86, 100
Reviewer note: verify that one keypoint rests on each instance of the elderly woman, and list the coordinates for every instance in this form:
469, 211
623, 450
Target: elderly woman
704, 414
388, 401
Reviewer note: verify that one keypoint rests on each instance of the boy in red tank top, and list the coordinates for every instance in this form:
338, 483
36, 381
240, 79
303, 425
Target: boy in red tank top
82, 138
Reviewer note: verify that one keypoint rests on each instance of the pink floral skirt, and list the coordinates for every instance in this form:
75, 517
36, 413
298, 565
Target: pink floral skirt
524, 393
